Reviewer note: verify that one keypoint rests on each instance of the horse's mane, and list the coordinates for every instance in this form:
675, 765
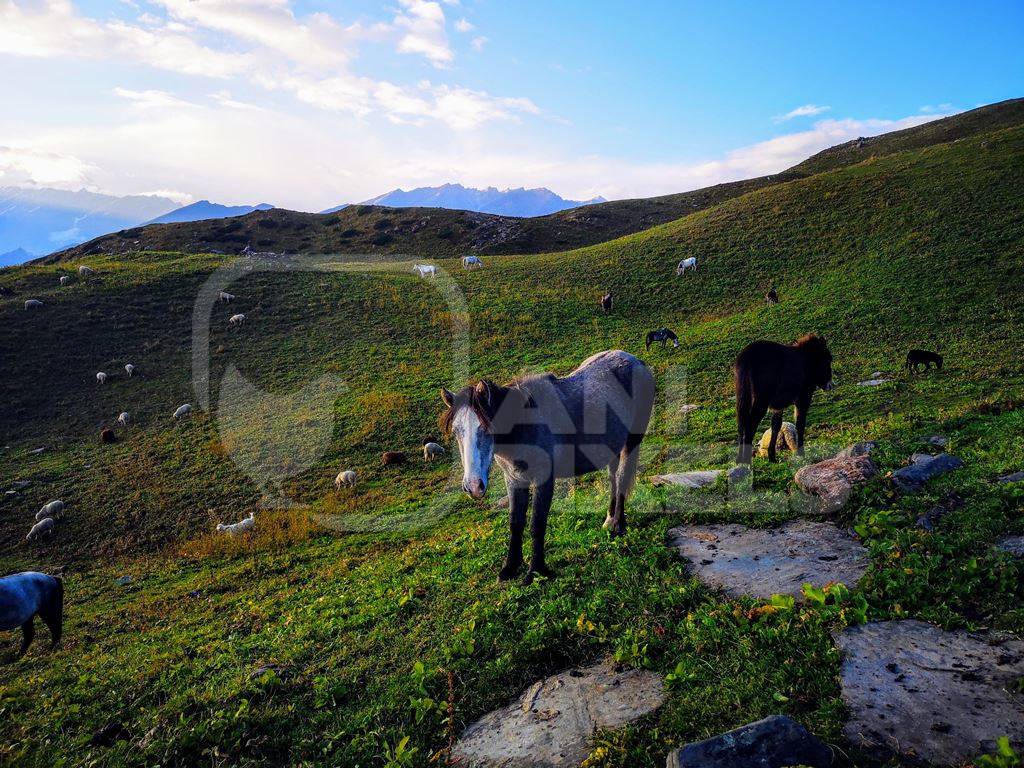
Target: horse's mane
472, 397
812, 342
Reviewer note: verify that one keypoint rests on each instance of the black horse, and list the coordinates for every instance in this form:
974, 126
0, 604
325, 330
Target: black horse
918, 357
662, 335
775, 376
772, 297
606, 303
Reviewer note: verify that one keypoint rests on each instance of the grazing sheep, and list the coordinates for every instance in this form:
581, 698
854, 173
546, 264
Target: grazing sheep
432, 450
471, 262
101, 378
183, 410
33, 304
226, 297
54, 509
391, 458
345, 479
124, 418
236, 319
242, 526
606, 303
107, 435
129, 369
85, 271
28, 594
685, 264
43, 528
64, 279
786, 441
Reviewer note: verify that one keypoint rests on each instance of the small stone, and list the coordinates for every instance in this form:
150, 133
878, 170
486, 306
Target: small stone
551, 723
761, 562
1015, 477
688, 409
774, 742
863, 448
923, 468
739, 473
937, 441
37, 451
873, 382
699, 478
829, 484
19, 484
960, 681
123, 580
951, 502
1014, 545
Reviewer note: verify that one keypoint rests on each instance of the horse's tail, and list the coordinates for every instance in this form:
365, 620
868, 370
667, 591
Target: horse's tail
648, 343
744, 402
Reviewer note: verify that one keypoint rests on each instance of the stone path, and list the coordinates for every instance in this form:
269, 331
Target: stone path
551, 723
828, 484
698, 478
764, 562
924, 467
939, 697
774, 742
1012, 544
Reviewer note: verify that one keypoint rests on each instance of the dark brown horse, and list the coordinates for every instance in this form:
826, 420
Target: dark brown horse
606, 303
772, 376
772, 297
918, 357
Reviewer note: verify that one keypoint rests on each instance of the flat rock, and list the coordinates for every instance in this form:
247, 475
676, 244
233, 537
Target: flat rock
937, 441
1015, 477
551, 723
774, 742
761, 562
829, 483
1012, 544
873, 382
698, 478
923, 468
862, 448
935, 696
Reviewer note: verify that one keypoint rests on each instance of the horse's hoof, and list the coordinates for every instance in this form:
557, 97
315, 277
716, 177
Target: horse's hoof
508, 572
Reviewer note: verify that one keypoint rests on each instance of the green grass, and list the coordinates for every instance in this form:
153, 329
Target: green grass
920, 248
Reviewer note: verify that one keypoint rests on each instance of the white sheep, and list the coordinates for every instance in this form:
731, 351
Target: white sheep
64, 279
685, 264
183, 410
432, 450
33, 304
242, 526
786, 440
129, 369
345, 479
85, 271
226, 297
53, 509
43, 528
101, 378
124, 418
236, 319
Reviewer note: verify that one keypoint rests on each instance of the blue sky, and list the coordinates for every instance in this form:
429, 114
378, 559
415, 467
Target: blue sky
309, 103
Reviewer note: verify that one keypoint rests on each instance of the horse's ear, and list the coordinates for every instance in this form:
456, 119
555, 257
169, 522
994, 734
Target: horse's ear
483, 393
447, 397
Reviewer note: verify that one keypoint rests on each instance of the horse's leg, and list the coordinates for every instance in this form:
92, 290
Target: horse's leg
542, 495
28, 631
624, 486
613, 469
518, 501
753, 420
776, 426
53, 616
802, 405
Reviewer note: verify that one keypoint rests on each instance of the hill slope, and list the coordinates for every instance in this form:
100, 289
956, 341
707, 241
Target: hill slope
306, 645
204, 209
436, 233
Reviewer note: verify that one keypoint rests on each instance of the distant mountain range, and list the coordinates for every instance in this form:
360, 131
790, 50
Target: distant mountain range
42, 220
204, 209
502, 202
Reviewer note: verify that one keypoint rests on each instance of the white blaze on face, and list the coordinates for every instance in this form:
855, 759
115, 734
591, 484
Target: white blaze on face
476, 448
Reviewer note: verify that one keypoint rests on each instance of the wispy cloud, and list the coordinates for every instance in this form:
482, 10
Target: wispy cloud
807, 110
934, 109
153, 99
423, 24
464, 25
478, 43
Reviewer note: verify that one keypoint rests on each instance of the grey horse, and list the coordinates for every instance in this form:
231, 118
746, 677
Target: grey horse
25, 595
540, 428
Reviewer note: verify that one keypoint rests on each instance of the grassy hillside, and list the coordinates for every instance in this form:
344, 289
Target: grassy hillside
301, 645
439, 233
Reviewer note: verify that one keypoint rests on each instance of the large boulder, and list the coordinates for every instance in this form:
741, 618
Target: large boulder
761, 562
774, 742
786, 440
930, 695
923, 468
828, 484
551, 723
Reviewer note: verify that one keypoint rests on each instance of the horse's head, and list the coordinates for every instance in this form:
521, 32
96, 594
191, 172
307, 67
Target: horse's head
819, 360
469, 417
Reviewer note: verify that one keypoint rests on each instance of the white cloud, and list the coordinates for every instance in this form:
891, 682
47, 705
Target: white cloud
807, 110
152, 99
424, 32
464, 25
931, 109
22, 164
478, 43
